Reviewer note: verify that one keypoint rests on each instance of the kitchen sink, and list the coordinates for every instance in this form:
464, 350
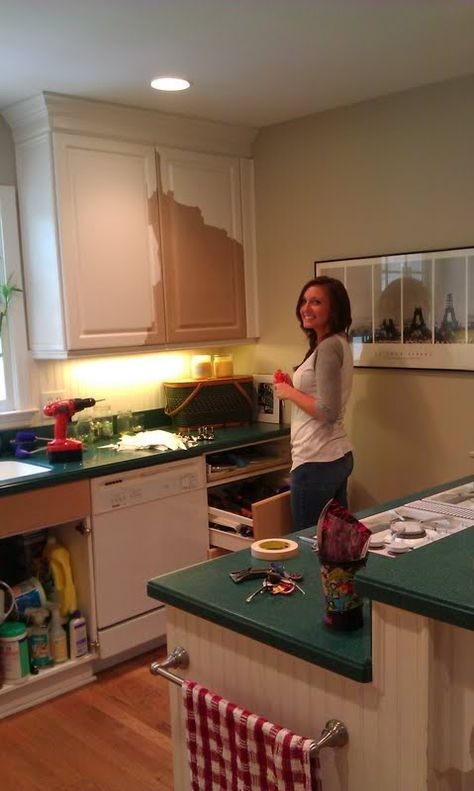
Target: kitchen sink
19, 469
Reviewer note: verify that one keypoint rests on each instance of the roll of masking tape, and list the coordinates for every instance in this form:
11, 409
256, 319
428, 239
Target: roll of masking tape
274, 549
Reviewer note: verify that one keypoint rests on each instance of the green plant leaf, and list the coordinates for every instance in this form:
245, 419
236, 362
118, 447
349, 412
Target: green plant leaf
7, 290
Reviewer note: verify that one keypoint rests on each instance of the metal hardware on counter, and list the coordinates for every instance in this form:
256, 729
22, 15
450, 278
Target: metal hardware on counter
334, 734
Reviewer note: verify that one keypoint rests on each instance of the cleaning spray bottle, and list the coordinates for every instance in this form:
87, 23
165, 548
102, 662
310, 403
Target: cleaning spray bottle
57, 635
38, 637
59, 561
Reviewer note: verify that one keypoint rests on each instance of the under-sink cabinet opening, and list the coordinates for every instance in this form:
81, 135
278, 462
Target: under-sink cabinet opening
20, 563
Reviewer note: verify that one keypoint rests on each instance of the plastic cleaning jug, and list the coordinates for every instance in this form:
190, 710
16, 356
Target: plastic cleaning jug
60, 565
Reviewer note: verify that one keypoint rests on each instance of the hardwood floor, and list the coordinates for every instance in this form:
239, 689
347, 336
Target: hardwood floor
112, 735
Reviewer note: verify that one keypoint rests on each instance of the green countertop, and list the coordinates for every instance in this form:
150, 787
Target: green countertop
98, 461
436, 581
293, 624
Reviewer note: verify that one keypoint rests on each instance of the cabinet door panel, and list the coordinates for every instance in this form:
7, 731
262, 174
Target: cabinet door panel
108, 226
202, 251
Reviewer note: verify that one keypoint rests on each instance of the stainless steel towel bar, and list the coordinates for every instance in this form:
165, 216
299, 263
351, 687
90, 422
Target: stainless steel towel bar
334, 734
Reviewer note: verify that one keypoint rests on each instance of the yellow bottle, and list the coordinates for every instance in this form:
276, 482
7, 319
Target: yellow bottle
60, 565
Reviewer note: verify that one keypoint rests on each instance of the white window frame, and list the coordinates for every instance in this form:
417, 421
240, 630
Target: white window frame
17, 360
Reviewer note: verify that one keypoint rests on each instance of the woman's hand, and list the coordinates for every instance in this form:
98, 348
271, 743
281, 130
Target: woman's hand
279, 376
283, 390
283, 384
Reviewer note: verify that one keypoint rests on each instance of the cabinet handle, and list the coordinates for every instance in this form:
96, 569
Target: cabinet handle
83, 529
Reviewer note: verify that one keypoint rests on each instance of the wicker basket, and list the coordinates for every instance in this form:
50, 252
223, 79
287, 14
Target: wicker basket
210, 402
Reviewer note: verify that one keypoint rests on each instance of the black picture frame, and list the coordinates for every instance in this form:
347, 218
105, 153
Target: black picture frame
410, 310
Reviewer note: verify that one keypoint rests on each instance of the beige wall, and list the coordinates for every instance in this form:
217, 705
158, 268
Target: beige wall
390, 175
395, 174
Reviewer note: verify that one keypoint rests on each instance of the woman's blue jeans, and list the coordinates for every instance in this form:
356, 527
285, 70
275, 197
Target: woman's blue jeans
313, 484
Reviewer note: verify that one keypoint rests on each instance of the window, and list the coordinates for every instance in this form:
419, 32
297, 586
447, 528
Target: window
14, 356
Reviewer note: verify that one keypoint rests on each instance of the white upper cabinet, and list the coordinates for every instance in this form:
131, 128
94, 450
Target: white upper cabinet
115, 260
90, 244
203, 256
106, 198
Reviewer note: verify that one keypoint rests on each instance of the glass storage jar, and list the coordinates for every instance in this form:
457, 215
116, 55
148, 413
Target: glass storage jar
201, 366
223, 365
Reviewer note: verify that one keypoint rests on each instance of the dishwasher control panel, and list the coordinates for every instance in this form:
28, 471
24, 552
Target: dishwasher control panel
127, 489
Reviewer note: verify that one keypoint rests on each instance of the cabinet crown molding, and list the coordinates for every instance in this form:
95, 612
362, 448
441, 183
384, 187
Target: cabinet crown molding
57, 112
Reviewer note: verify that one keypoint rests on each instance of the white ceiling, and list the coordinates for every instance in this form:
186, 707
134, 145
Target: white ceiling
254, 62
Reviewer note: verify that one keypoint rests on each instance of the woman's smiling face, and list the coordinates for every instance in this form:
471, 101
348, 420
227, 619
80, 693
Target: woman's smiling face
315, 310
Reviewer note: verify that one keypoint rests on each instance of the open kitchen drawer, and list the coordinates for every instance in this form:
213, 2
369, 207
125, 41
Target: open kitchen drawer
270, 517
246, 461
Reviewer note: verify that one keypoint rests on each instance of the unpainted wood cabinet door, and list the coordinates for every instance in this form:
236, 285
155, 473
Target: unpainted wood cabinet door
201, 245
108, 228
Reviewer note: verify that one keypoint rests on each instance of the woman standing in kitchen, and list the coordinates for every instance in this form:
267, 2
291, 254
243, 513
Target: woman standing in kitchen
320, 448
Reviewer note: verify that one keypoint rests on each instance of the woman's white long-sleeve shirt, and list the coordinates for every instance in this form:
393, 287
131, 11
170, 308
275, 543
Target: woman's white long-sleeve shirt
326, 376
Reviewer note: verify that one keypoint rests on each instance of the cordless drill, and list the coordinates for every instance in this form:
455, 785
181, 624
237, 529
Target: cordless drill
61, 448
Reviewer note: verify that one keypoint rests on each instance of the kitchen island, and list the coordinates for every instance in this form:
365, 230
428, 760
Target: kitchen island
403, 685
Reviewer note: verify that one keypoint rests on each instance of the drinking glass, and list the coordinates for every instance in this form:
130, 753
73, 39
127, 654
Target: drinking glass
84, 430
138, 422
125, 422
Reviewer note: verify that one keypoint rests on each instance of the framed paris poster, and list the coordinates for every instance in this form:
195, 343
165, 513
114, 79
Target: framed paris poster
410, 310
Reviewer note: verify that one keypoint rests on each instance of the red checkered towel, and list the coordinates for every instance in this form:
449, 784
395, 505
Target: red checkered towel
231, 749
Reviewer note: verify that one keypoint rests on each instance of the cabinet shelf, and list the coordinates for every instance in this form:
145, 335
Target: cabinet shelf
271, 516
230, 541
218, 478
49, 683
256, 458
46, 672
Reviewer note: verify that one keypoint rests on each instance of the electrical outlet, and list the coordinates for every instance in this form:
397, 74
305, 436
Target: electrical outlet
51, 395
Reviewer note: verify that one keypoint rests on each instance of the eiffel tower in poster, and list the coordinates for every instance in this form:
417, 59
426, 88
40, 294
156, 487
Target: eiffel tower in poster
449, 321
417, 332
417, 322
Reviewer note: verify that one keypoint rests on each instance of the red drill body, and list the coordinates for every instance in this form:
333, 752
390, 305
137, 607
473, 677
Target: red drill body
61, 448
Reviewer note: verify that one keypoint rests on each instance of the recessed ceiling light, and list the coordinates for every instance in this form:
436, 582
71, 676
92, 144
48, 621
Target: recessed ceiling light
170, 84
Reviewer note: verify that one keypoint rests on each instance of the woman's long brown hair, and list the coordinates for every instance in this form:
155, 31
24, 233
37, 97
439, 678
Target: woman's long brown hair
340, 318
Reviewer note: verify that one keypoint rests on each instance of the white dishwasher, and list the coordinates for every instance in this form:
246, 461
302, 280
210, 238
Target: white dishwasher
145, 522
